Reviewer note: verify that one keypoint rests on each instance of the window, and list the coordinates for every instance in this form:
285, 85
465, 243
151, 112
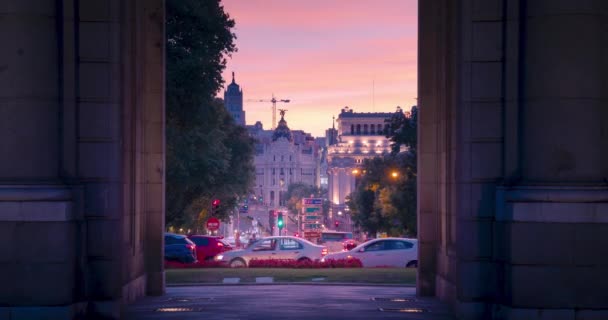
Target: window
364, 129
290, 171
282, 172
289, 158
376, 246
290, 244
358, 129
273, 171
399, 245
352, 129
264, 245
200, 241
372, 129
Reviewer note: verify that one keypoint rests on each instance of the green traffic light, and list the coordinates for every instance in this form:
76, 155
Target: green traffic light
280, 220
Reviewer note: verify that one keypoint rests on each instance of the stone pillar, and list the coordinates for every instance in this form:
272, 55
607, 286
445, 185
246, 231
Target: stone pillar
513, 157
39, 213
551, 216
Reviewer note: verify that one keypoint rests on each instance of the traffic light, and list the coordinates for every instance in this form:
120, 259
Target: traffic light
337, 224
280, 220
215, 207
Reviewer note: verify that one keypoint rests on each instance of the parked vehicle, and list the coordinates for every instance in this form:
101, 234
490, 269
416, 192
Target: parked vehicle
335, 240
207, 247
385, 252
179, 248
281, 247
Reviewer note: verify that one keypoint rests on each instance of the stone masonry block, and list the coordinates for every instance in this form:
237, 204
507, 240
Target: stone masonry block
486, 121
103, 199
47, 242
45, 284
99, 121
486, 160
475, 239
541, 243
477, 280
487, 41
95, 81
100, 160
94, 40
486, 79
487, 10
102, 238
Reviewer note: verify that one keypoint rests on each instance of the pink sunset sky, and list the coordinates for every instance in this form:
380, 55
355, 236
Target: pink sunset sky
323, 55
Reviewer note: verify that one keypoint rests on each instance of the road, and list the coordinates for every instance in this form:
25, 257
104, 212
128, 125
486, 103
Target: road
287, 302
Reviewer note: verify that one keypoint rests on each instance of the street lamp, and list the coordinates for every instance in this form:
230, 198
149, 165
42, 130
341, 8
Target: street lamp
339, 213
394, 174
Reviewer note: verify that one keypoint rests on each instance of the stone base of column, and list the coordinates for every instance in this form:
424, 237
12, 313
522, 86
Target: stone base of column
506, 313
155, 284
72, 311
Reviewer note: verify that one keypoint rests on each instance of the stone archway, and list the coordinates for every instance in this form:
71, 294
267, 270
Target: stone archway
82, 175
513, 157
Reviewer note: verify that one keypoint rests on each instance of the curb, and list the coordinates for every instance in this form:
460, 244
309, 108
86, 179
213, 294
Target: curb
349, 284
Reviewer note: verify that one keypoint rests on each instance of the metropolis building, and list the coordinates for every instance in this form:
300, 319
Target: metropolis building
283, 157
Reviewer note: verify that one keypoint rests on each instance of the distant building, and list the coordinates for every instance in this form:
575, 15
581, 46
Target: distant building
233, 101
359, 136
283, 157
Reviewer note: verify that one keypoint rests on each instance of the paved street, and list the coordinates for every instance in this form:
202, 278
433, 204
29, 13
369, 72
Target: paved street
288, 302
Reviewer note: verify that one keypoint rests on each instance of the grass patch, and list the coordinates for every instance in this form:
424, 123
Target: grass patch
248, 275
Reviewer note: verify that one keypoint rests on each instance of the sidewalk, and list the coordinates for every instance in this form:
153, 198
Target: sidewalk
288, 302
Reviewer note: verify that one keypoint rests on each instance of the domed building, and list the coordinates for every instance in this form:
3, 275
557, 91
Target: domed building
284, 157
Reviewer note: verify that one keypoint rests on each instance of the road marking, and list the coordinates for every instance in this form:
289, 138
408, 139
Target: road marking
318, 279
231, 280
264, 280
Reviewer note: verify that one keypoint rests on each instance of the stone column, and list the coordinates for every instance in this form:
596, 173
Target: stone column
40, 230
552, 215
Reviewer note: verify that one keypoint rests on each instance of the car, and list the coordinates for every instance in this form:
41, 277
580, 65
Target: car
278, 247
384, 252
207, 247
179, 248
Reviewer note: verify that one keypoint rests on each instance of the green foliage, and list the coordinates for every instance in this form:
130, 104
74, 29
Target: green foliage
298, 191
380, 201
208, 155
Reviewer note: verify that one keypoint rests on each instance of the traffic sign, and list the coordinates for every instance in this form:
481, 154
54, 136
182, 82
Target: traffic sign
312, 234
312, 201
213, 224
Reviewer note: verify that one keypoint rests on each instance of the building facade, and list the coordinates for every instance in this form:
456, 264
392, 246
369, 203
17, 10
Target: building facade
283, 157
233, 101
360, 136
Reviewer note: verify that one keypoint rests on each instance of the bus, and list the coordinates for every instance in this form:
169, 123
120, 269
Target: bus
334, 240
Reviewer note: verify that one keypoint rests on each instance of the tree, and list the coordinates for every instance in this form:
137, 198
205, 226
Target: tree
382, 202
298, 191
208, 155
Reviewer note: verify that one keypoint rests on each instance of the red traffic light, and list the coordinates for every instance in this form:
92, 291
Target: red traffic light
216, 202
337, 223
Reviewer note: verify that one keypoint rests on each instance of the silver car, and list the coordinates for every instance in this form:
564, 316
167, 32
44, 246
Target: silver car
385, 252
282, 247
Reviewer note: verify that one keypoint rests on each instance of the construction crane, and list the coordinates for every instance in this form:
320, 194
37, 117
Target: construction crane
274, 107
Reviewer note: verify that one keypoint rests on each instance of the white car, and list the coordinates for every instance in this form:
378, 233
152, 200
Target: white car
282, 247
385, 252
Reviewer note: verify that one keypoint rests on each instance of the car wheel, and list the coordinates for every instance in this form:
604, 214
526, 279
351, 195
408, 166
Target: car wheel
238, 263
304, 260
412, 264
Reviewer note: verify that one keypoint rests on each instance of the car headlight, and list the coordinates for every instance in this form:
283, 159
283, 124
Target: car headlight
322, 259
219, 257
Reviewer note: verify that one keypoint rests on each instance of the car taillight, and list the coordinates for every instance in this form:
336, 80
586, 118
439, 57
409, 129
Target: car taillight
324, 252
219, 244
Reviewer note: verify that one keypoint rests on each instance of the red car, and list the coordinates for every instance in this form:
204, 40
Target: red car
207, 247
